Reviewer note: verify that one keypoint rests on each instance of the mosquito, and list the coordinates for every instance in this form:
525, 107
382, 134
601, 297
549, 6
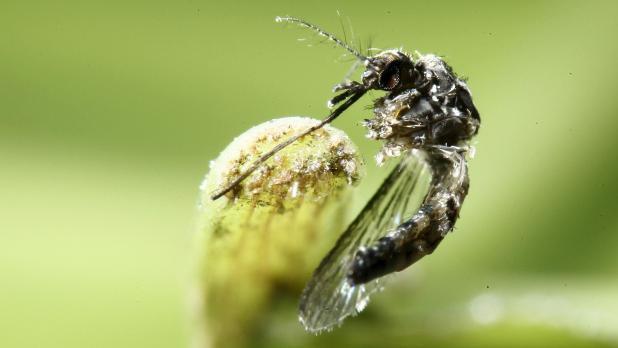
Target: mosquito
426, 118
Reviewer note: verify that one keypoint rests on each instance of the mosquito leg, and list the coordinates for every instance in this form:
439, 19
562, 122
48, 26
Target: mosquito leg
349, 88
346, 81
345, 85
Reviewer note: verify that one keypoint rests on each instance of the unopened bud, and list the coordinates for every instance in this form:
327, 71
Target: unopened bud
270, 231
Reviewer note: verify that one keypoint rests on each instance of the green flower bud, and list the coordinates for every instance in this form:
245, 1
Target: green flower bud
265, 237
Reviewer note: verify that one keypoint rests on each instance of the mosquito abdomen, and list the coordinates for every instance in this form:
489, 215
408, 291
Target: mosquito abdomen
423, 232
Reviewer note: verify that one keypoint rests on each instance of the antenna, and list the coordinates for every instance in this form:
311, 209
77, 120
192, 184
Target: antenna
322, 32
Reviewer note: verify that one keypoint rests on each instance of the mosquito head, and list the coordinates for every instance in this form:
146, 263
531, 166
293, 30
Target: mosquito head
390, 70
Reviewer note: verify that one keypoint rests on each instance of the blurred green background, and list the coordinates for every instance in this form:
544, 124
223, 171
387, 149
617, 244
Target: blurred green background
110, 112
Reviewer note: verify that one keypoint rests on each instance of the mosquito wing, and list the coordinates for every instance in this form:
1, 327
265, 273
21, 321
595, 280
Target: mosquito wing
329, 298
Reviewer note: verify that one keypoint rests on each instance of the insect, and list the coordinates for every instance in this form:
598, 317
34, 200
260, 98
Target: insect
426, 118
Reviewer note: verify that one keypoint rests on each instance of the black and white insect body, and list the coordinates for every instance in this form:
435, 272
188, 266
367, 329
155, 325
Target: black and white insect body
426, 118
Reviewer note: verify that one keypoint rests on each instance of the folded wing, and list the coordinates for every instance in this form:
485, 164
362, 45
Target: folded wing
329, 298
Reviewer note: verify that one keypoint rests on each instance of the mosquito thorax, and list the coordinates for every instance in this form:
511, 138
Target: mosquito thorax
426, 103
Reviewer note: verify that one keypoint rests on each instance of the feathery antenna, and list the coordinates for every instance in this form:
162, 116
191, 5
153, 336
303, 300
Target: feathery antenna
323, 33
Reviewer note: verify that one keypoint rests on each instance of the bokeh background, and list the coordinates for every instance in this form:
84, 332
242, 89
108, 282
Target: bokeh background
110, 112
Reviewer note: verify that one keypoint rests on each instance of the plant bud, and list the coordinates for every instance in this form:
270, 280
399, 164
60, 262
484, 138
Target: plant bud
270, 232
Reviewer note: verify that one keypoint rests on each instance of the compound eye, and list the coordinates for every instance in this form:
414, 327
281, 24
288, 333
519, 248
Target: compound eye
390, 77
